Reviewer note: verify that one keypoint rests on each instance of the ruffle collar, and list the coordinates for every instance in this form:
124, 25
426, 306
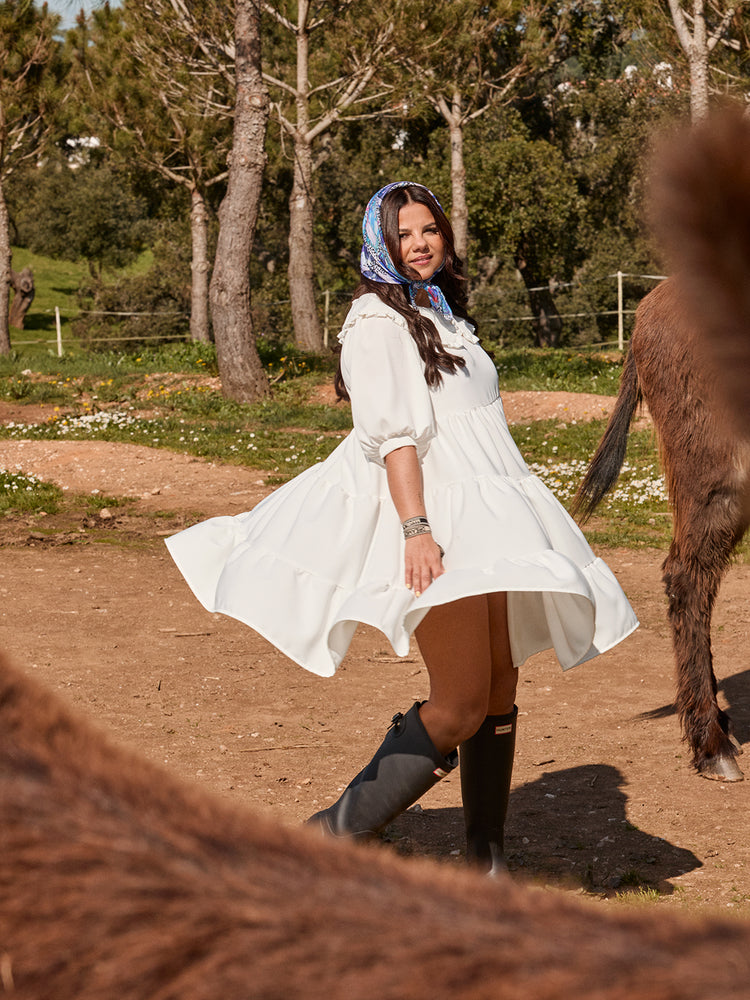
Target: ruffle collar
454, 332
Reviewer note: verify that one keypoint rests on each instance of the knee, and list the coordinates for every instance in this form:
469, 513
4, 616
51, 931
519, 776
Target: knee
450, 725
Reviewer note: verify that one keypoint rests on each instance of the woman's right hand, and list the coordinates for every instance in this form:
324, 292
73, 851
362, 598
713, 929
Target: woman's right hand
424, 562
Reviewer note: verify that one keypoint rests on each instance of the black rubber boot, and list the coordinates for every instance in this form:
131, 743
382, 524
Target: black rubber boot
486, 768
405, 766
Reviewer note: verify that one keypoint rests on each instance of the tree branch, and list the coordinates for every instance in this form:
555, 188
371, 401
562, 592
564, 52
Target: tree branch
680, 24
278, 16
715, 37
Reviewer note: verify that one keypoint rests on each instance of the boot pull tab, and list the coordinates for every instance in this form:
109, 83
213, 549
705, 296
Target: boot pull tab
395, 721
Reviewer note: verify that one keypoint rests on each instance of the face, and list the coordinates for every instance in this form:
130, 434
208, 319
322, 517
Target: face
422, 246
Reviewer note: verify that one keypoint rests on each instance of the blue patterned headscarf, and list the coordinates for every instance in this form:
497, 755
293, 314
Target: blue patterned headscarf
375, 261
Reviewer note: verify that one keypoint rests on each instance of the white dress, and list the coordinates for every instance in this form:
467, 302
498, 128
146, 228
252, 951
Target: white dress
326, 551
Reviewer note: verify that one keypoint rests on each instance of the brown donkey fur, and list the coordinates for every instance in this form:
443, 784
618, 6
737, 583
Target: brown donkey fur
117, 881
701, 207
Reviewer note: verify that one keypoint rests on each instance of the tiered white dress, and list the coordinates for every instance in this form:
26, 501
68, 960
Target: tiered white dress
326, 551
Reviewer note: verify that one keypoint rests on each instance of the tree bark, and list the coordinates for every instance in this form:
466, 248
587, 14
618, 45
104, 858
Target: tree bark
698, 62
697, 49
548, 324
22, 283
199, 266
242, 375
459, 210
301, 273
4, 274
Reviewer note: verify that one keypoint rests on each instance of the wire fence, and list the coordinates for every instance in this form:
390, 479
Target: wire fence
499, 310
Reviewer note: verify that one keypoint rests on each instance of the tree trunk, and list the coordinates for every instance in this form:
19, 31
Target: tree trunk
301, 273
459, 211
696, 48
23, 286
199, 267
4, 275
699, 87
698, 57
242, 375
548, 325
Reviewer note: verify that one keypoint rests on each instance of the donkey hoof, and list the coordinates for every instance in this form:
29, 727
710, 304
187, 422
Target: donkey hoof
721, 767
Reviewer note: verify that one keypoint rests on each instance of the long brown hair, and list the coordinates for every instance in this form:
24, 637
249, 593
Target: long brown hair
450, 280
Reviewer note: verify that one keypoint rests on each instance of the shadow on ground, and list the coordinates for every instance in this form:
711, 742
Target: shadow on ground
735, 693
567, 828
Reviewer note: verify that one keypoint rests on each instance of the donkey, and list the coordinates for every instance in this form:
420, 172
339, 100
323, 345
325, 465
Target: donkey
700, 209
706, 458
117, 880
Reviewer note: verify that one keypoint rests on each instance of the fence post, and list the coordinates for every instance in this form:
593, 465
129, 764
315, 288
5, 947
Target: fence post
620, 324
326, 310
59, 332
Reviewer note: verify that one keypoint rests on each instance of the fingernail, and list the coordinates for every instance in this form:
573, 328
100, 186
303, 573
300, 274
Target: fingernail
417, 593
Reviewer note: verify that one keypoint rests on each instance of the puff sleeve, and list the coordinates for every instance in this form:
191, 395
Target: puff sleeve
391, 402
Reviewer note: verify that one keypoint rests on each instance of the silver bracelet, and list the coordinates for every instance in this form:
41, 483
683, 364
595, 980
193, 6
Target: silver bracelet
414, 526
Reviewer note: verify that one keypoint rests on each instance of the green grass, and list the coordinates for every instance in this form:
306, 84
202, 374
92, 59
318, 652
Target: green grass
639, 896
55, 285
545, 369
252, 440
20, 493
188, 358
115, 397
636, 514
281, 435
104, 397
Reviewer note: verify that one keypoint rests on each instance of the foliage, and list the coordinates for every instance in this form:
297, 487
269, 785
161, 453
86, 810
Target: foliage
636, 513
159, 300
286, 433
30, 71
153, 93
85, 214
30, 74
519, 188
557, 159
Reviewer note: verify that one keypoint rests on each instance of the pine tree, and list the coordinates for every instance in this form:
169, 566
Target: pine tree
710, 28
242, 375
29, 74
157, 86
329, 73
462, 58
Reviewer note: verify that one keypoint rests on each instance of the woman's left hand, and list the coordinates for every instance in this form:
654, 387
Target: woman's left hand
423, 559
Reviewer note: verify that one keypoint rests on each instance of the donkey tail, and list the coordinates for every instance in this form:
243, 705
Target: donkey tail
605, 466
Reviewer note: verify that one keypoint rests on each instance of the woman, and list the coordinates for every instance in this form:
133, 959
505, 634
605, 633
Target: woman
425, 519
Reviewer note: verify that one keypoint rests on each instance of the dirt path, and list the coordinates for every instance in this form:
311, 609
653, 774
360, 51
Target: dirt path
603, 796
161, 479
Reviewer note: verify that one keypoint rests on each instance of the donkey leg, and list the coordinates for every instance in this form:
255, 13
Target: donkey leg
691, 587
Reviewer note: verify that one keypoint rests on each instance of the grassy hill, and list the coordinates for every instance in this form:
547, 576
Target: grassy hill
55, 283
